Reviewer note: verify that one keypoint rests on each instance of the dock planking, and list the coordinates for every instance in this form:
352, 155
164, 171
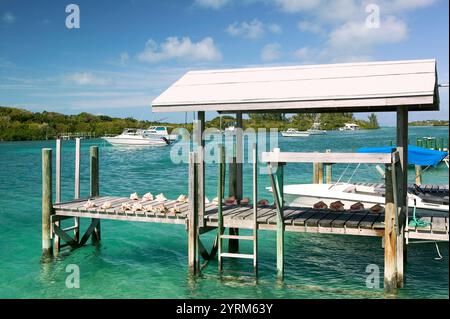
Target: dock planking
298, 219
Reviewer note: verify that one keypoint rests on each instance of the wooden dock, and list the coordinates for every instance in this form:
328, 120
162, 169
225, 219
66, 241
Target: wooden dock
296, 219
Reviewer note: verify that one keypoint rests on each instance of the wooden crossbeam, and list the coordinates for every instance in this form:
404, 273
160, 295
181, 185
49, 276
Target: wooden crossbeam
64, 236
327, 158
89, 231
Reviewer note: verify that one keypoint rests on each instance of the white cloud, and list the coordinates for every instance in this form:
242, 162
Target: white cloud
275, 28
124, 57
356, 37
404, 5
254, 29
183, 49
307, 26
293, 6
213, 4
8, 18
305, 53
86, 78
271, 52
250, 30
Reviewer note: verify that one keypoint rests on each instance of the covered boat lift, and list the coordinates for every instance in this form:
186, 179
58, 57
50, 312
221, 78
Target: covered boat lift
391, 86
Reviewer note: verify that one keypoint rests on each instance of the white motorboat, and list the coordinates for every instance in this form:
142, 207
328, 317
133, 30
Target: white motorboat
153, 136
306, 195
294, 133
315, 129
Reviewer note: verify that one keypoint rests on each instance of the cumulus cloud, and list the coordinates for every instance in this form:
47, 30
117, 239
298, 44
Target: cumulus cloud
274, 28
180, 49
271, 52
254, 29
213, 4
86, 78
293, 6
307, 26
357, 37
250, 30
8, 18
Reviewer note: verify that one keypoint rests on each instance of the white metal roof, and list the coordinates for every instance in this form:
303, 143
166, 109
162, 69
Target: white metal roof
367, 86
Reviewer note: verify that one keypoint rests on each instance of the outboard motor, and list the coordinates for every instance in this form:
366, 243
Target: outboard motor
165, 140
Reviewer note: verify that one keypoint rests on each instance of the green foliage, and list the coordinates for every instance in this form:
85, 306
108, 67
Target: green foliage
19, 125
260, 117
429, 123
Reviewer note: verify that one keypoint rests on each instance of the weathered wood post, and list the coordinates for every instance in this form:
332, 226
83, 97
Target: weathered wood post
76, 231
199, 140
402, 189
418, 170
56, 239
315, 177
47, 205
192, 217
95, 188
255, 207
328, 171
233, 243
220, 194
390, 233
277, 182
320, 173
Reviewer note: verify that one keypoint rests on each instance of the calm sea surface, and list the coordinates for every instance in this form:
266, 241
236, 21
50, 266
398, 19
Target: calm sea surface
145, 260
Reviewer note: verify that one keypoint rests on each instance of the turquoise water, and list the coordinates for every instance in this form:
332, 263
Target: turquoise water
144, 260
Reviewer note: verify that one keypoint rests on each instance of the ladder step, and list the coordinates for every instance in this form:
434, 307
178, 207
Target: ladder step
237, 237
70, 228
232, 255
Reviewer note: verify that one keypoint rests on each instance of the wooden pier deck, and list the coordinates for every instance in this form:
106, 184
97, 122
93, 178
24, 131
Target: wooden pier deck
296, 219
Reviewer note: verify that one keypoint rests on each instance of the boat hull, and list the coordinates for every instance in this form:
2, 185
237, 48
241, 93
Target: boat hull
284, 134
306, 195
135, 141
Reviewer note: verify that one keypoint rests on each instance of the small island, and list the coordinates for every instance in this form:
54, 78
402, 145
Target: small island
22, 125
429, 123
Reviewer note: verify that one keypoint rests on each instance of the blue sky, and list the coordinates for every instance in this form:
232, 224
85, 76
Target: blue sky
127, 52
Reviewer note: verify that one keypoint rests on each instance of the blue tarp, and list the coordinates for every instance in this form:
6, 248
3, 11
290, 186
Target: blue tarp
416, 155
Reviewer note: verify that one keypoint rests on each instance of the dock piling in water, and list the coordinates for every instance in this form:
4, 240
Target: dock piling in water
95, 189
47, 203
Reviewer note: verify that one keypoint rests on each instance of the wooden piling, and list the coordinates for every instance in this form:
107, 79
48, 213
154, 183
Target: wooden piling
192, 218
255, 207
56, 239
200, 169
47, 203
315, 177
95, 188
320, 173
277, 182
76, 231
220, 193
401, 168
280, 223
328, 171
418, 170
390, 234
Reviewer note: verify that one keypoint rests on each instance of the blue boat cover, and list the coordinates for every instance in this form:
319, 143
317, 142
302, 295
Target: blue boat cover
416, 155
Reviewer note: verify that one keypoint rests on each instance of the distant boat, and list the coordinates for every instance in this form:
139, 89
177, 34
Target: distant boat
295, 133
153, 136
349, 127
315, 129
